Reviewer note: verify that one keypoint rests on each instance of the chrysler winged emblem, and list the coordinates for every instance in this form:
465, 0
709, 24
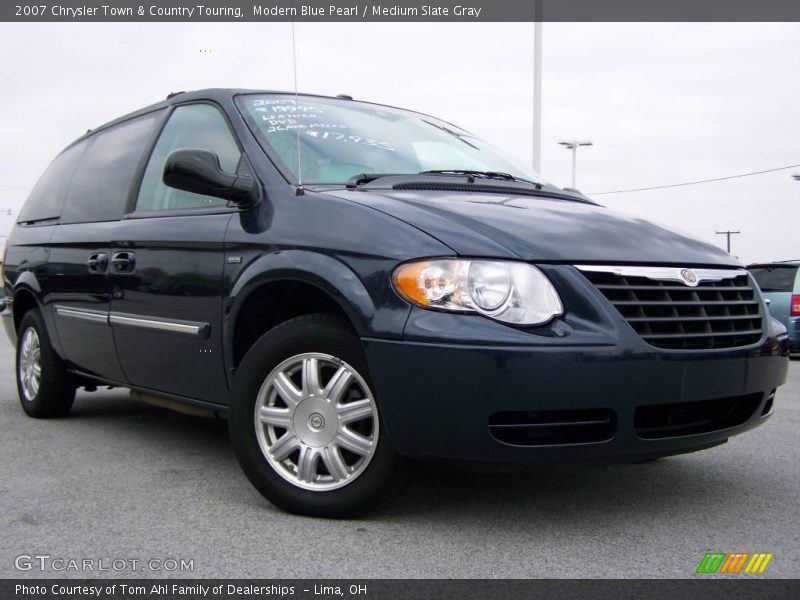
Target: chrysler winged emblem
689, 277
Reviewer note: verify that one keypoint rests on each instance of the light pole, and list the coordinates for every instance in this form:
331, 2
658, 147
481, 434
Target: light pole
573, 145
537, 90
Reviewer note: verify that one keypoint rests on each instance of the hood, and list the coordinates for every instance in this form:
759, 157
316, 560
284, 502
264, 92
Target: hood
538, 229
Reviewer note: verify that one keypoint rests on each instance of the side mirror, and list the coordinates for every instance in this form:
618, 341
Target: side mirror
198, 171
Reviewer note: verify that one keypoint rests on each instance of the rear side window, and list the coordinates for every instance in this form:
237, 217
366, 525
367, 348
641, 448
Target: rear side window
193, 126
775, 278
100, 187
47, 198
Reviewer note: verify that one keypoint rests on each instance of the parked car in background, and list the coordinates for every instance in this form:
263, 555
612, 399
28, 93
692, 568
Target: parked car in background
780, 285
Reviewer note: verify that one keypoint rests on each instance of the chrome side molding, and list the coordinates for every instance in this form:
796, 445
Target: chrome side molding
95, 316
126, 320
186, 327
687, 276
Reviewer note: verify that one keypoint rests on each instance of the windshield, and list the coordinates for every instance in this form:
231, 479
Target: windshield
777, 278
342, 138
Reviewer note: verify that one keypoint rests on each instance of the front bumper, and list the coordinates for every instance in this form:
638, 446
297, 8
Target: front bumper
446, 386
437, 400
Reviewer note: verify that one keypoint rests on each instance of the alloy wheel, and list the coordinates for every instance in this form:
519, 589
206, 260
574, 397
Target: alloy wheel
316, 421
30, 366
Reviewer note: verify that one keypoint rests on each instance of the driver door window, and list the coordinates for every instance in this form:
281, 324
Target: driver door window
193, 126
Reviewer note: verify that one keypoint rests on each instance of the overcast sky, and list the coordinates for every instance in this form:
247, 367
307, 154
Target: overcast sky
663, 103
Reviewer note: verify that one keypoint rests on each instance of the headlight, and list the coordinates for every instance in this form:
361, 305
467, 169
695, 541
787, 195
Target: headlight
511, 292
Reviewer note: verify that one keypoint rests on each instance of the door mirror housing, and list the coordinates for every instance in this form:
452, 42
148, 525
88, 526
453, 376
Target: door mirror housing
198, 171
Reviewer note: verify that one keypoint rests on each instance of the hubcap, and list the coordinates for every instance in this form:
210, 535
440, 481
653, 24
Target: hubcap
316, 421
30, 368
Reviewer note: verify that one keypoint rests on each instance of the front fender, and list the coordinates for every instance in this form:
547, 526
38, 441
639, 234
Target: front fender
323, 271
373, 313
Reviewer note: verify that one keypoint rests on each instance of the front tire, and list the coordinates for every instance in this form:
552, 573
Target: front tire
45, 387
305, 424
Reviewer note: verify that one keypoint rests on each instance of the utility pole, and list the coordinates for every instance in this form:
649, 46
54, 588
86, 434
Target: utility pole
728, 233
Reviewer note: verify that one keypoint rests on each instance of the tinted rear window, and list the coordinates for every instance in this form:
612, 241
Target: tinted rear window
47, 197
775, 278
100, 187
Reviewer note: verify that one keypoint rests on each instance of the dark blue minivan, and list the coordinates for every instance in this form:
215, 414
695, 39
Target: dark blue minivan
356, 286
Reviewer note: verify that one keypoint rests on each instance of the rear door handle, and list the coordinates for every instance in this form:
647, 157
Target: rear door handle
97, 263
123, 262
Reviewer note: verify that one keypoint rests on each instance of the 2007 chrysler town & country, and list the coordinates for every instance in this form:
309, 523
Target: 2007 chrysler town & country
356, 285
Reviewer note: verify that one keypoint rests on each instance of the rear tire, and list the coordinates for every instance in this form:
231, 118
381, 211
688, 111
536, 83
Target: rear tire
45, 387
310, 445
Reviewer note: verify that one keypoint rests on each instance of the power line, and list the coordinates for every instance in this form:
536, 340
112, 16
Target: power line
661, 187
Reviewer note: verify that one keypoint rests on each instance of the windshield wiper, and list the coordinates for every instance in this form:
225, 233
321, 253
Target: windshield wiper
482, 175
362, 178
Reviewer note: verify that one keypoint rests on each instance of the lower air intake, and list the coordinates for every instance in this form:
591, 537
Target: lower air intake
688, 418
551, 427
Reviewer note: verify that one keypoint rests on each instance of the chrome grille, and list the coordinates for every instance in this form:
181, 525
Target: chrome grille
714, 312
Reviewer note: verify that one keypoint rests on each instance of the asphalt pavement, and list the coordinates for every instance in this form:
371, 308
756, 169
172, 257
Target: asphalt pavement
117, 480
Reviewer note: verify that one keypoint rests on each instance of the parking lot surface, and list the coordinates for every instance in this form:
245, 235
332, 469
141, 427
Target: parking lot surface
119, 480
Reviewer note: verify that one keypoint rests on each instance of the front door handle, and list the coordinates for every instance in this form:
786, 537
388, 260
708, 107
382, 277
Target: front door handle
123, 262
98, 263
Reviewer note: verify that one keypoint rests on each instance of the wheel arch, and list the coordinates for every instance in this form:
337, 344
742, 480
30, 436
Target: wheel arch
25, 299
282, 285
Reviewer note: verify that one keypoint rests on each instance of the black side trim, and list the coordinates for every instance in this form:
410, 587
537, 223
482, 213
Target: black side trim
220, 408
